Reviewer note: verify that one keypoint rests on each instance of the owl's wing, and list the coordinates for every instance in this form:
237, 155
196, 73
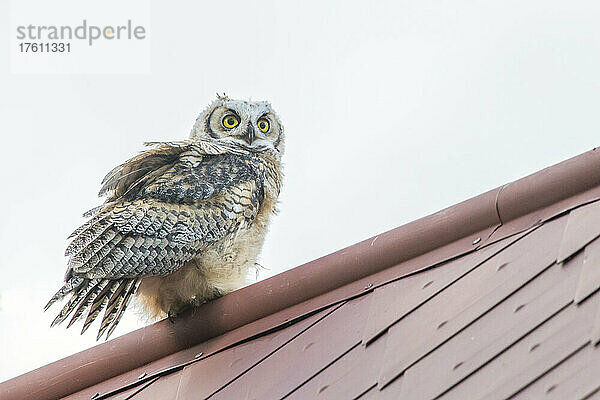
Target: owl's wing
165, 206
135, 172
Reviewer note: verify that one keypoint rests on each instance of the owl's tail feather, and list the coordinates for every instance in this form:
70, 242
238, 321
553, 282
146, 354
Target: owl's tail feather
123, 306
94, 295
70, 286
87, 301
77, 297
98, 304
116, 306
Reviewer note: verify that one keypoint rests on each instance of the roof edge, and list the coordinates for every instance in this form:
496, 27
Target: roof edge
249, 304
550, 185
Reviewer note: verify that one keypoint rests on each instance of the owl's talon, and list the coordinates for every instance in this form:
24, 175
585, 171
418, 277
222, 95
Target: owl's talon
171, 316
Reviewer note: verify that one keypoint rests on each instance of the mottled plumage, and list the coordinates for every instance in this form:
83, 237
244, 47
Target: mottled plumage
182, 223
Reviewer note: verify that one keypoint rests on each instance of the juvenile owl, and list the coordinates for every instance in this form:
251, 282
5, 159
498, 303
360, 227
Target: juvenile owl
182, 223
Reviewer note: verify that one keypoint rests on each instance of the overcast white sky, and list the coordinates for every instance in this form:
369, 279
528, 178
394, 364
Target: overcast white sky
393, 110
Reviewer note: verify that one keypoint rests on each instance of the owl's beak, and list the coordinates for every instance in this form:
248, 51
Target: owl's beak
250, 135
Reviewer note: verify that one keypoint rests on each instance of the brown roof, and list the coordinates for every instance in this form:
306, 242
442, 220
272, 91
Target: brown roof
491, 298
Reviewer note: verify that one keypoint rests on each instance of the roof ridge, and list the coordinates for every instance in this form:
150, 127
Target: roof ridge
485, 213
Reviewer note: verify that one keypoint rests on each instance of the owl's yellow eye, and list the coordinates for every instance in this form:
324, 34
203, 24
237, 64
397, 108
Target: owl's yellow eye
230, 121
263, 125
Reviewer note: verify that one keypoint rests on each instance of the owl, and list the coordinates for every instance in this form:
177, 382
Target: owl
182, 222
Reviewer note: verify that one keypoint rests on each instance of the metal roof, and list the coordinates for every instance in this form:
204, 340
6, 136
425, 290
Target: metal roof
493, 298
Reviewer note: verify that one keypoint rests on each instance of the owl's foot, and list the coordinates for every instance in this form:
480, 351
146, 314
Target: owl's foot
214, 294
176, 311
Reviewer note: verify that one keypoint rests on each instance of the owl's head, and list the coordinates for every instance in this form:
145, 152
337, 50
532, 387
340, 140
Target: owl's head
252, 125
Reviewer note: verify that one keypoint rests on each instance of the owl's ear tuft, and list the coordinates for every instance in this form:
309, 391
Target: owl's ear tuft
222, 97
